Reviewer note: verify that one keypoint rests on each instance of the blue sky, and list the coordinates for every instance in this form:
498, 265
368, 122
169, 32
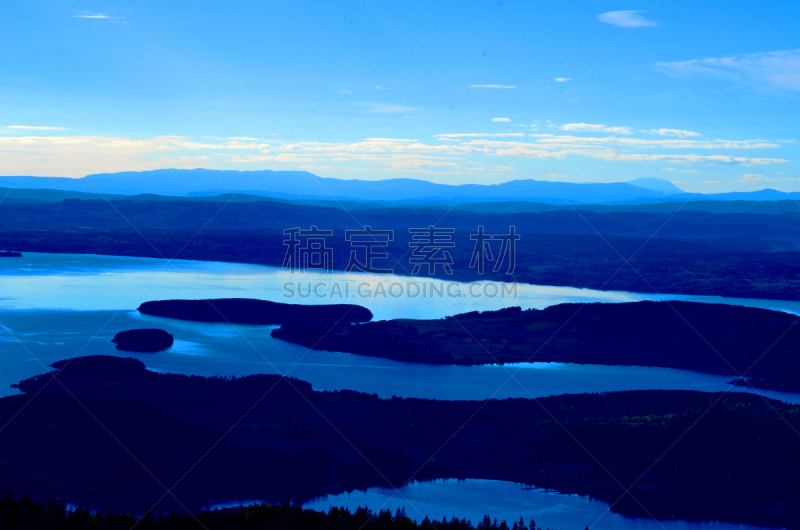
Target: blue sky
701, 94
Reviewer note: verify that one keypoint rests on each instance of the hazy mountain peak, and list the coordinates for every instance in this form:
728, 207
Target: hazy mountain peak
656, 184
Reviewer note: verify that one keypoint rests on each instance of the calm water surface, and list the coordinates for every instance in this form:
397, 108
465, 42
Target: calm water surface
472, 499
56, 306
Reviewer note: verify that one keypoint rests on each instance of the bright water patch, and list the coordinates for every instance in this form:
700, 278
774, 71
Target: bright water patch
88, 282
236, 350
58, 306
472, 499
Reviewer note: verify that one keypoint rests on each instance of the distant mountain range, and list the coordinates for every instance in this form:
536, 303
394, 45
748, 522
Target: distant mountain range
301, 185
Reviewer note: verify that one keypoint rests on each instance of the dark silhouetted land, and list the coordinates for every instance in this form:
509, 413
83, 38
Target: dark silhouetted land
713, 338
737, 267
25, 514
251, 311
737, 458
143, 340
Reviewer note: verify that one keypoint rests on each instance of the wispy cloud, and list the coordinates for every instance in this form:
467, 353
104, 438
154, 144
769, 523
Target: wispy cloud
752, 176
386, 108
457, 155
501, 120
497, 87
562, 79
595, 127
347, 87
566, 140
479, 135
758, 181
92, 14
678, 133
95, 15
626, 19
779, 69
35, 128
679, 170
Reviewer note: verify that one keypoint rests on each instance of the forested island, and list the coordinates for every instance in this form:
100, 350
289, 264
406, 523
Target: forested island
712, 338
252, 311
735, 450
10, 254
143, 340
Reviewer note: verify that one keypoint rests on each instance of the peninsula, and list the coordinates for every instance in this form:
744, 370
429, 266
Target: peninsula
712, 338
252, 311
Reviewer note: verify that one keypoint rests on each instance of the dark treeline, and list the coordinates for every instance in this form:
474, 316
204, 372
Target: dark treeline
25, 514
252, 311
713, 338
726, 267
268, 215
736, 458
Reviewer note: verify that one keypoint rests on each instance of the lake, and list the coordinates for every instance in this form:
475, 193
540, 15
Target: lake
473, 498
57, 306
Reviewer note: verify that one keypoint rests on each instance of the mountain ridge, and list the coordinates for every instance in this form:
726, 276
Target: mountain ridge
305, 185
302, 185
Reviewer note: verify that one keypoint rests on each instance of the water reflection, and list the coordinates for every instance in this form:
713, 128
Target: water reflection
472, 499
59, 306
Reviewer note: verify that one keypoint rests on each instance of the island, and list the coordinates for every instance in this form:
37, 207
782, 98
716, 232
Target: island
712, 338
721, 456
252, 311
143, 340
10, 254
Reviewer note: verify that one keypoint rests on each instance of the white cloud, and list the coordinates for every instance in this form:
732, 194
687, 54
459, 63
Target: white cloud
626, 19
780, 69
94, 154
674, 132
497, 87
500, 169
562, 79
594, 127
101, 16
501, 120
756, 181
565, 140
475, 135
91, 14
679, 170
386, 108
458, 155
345, 89
34, 128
